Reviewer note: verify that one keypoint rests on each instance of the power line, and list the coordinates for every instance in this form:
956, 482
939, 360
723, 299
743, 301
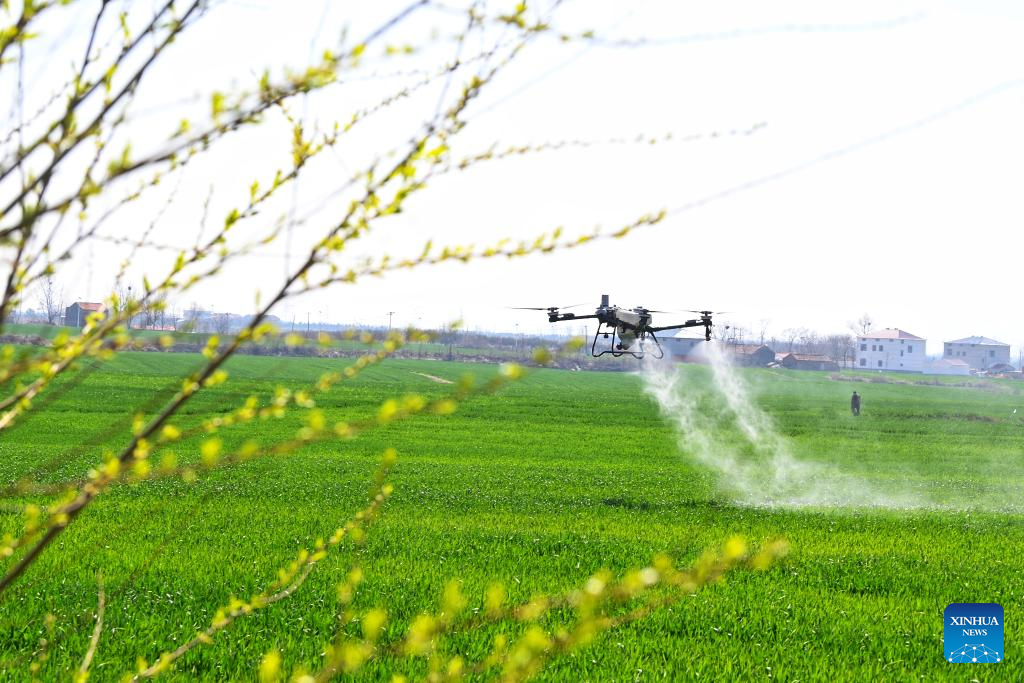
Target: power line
846, 150
707, 37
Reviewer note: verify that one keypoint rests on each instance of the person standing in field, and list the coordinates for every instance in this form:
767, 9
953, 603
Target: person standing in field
855, 404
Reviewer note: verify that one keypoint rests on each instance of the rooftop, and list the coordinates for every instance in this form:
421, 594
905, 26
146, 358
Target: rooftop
89, 306
890, 333
746, 349
982, 341
814, 357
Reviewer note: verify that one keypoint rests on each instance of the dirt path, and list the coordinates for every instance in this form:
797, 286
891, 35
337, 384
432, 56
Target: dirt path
434, 378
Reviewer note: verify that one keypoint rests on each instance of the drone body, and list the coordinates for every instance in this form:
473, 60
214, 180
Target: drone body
622, 331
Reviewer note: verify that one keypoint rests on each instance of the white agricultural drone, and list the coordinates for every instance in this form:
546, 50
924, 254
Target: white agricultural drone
628, 331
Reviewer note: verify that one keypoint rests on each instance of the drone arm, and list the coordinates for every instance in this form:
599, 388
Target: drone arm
559, 317
702, 322
688, 323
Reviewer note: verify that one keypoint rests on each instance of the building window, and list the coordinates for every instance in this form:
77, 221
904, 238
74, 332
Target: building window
991, 354
863, 347
879, 347
910, 349
863, 361
874, 348
901, 356
879, 363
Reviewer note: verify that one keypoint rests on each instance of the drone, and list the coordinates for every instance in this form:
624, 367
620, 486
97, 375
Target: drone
625, 332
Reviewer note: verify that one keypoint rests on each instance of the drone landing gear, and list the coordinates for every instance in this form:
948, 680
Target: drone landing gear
619, 347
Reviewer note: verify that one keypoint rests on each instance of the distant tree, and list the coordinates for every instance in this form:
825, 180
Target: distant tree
152, 311
51, 301
840, 348
862, 325
727, 332
809, 341
790, 335
125, 304
451, 336
221, 323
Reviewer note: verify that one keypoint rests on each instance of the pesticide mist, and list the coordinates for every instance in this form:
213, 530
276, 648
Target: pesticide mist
720, 426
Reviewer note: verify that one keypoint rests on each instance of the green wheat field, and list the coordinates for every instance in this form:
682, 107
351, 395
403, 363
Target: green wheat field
538, 486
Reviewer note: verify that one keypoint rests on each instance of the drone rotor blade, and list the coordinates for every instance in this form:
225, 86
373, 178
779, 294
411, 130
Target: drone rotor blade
542, 308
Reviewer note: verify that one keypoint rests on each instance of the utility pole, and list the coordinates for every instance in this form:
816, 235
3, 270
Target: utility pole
390, 313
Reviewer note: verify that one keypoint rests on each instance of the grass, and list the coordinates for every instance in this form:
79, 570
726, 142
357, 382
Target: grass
539, 486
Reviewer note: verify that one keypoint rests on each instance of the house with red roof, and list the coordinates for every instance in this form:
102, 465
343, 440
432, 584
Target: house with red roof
890, 349
77, 314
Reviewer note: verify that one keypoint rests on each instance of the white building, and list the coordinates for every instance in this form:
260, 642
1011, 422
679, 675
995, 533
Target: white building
948, 366
890, 349
980, 353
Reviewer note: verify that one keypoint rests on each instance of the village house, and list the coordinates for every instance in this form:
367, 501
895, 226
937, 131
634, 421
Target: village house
890, 349
751, 355
77, 314
980, 353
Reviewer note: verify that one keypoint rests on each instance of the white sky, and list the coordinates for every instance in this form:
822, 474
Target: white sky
887, 177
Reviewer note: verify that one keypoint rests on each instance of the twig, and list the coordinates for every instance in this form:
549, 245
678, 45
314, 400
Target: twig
83, 669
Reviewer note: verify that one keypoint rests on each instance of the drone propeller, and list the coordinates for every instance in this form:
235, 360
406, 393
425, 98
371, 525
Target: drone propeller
542, 308
687, 310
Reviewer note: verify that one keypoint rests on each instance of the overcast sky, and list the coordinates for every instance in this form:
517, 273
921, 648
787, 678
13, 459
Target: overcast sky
867, 157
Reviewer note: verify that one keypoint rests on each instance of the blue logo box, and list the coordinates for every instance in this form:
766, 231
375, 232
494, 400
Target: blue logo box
973, 633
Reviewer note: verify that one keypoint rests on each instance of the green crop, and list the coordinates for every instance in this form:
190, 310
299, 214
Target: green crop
539, 486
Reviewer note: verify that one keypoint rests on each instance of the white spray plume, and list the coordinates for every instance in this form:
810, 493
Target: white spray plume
757, 467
